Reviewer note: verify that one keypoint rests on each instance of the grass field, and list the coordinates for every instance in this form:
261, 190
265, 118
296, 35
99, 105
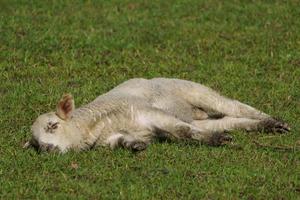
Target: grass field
248, 51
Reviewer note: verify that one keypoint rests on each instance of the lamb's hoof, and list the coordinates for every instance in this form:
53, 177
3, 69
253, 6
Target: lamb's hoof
272, 125
219, 139
138, 146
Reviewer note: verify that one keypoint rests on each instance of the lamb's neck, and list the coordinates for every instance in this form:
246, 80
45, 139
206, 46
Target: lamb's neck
91, 117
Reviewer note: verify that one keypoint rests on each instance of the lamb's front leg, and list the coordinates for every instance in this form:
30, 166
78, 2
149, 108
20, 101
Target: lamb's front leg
126, 141
160, 122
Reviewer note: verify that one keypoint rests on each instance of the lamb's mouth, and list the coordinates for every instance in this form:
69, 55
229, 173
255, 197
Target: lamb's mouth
41, 146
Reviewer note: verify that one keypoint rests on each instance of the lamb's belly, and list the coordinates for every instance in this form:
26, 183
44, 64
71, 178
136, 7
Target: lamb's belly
111, 126
175, 107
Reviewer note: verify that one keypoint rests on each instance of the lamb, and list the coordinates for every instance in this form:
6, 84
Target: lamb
135, 113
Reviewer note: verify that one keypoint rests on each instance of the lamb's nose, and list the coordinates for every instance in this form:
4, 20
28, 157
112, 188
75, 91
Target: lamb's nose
46, 147
49, 146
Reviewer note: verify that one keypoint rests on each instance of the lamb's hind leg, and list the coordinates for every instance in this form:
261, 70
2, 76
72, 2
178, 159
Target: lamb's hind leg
212, 102
215, 104
160, 122
231, 123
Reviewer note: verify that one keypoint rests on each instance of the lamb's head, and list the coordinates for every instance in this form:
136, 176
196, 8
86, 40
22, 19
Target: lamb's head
55, 130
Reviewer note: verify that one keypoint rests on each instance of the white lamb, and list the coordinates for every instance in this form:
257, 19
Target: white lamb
136, 112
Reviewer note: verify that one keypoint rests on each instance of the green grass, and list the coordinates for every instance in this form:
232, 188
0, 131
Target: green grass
248, 51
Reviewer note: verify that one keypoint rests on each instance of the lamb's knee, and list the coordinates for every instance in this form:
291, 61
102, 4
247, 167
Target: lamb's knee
213, 138
135, 145
126, 141
115, 140
218, 139
183, 131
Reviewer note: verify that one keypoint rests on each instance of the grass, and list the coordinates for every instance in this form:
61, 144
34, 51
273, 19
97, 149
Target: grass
248, 51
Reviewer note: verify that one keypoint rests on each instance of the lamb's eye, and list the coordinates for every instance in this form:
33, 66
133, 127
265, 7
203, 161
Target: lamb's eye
51, 126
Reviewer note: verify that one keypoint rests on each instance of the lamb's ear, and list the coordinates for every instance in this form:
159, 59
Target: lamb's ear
65, 107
